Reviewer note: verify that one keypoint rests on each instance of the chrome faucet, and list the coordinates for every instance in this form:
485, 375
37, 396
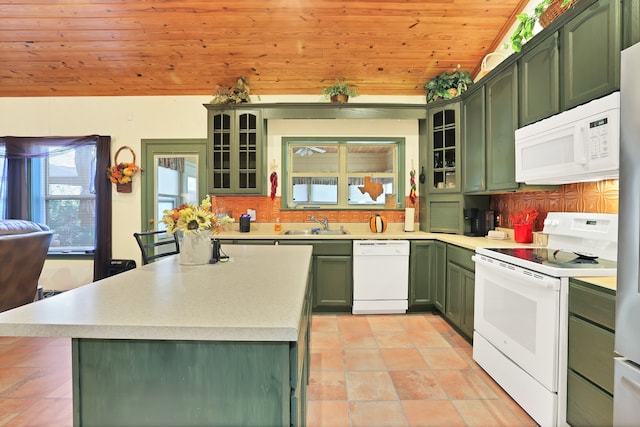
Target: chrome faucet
324, 221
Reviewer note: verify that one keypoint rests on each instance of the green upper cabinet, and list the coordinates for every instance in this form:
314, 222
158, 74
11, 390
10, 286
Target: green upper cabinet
590, 53
443, 155
473, 113
490, 120
630, 23
539, 81
236, 144
502, 122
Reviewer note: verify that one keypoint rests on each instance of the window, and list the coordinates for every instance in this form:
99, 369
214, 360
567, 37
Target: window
60, 192
63, 196
343, 172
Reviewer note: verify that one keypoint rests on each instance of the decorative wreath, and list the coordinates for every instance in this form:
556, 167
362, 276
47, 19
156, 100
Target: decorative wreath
122, 172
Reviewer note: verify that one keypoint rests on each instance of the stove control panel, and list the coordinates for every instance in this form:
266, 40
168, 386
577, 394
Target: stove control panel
580, 224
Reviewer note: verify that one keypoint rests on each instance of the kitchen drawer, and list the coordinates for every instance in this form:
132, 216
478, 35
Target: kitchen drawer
323, 247
587, 405
461, 257
592, 303
591, 352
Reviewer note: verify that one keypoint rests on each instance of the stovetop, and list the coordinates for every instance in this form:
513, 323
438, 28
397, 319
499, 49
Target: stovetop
553, 262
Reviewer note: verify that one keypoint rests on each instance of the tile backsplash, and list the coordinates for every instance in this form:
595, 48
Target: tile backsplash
268, 210
594, 197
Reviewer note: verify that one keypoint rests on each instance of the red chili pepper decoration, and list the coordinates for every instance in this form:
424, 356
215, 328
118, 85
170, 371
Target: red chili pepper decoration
274, 184
412, 180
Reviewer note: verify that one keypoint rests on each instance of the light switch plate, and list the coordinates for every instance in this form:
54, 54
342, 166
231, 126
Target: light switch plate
252, 214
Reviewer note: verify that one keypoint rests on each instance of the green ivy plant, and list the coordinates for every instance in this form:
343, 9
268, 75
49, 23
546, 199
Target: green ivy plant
526, 24
448, 85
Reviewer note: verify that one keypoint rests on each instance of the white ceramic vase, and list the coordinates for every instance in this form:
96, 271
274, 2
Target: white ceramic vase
195, 248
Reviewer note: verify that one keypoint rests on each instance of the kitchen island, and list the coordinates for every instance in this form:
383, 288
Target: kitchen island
168, 345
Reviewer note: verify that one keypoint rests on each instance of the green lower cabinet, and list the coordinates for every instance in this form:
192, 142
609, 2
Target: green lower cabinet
453, 304
587, 405
468, 290
332, 272
591, 352
426, 270
181, 383
459, 300
333, 282
440, 282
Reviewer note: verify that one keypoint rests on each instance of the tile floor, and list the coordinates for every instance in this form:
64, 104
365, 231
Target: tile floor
373, 371
400, 370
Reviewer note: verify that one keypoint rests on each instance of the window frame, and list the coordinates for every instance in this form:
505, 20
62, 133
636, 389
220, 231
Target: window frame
342, 174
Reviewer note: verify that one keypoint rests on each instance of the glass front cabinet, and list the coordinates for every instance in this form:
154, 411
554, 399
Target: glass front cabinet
444, 148
236, 158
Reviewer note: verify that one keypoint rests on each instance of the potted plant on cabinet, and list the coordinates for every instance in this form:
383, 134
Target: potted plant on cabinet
448, 85
340, 91
545, 12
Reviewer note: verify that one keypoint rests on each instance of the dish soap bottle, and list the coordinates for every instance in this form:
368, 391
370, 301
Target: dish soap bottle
277, 227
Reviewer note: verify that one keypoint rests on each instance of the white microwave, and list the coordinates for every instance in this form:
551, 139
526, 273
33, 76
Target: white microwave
577, 145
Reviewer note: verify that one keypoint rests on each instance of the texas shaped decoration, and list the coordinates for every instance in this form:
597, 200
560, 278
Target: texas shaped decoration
373, 188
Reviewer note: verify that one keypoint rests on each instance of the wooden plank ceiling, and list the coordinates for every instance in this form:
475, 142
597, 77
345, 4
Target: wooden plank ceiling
187, 47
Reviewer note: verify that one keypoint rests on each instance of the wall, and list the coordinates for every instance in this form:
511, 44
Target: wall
128, 120
594, 197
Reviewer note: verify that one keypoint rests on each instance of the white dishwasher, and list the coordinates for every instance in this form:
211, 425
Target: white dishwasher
380, 276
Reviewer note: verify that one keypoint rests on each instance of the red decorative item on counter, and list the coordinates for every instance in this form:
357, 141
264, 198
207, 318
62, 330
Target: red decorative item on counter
523, 224
274, 184
523, 233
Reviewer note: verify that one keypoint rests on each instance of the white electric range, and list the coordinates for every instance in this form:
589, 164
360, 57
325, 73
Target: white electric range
521, 308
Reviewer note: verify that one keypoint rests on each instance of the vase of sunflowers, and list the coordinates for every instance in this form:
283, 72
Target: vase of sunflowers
121, 173
196, 225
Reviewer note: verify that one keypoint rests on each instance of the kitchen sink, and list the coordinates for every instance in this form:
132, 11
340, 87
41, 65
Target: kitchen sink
331, 232
297, 232
314, 232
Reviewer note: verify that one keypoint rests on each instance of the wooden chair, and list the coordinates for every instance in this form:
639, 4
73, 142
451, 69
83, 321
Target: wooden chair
154, 246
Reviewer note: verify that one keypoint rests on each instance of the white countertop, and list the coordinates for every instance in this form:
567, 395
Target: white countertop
605, 282
358, 231
257, 296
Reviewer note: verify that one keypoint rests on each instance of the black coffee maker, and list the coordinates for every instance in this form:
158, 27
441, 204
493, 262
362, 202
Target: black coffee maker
480, 222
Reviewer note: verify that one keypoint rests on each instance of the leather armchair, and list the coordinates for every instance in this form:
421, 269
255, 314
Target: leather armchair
23, 250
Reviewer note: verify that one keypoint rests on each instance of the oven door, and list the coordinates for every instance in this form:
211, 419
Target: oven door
517, 311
